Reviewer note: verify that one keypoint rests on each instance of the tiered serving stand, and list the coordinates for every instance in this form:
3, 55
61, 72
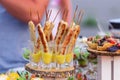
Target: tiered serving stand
51, 74
108, 65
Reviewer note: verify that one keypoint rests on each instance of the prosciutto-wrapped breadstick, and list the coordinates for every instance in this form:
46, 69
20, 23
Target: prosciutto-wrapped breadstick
48, 30
65, 33
32, 32
38, 44
67, 40
61, 31
42, 38
74, 38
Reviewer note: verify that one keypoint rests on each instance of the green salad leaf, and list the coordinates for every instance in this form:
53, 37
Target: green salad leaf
77, 52
71, 78
26, 53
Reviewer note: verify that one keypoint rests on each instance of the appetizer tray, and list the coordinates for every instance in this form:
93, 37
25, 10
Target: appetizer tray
103, 53
52, 73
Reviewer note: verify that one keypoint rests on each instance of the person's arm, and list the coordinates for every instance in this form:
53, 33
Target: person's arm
21, 9
66, 4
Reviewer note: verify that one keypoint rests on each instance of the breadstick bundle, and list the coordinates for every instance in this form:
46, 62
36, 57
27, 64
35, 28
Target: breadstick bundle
73, 33
65, 35
74, 38
62, 27
67, 40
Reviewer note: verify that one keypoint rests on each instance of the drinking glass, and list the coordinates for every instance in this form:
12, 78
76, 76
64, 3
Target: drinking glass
69, 57
35, 56
60, 57
47, 58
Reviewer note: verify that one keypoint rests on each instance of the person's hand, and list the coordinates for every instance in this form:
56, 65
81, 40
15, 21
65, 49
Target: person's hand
21, 9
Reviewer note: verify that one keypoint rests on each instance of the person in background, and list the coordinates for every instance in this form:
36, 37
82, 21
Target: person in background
14, 33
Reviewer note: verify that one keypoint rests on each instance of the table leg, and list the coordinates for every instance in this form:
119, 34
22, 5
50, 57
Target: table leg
104, 68
117, 68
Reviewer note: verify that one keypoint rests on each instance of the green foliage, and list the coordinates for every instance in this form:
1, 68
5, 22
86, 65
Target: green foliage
90, 21
77, 52
26, 53
71, 78
84, 55
23, 75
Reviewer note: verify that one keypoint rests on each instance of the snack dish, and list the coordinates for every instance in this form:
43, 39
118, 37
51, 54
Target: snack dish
106, 45
103, 53
58, 51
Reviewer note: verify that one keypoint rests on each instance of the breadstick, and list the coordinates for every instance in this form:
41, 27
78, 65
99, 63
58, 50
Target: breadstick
38, 44
32, 31
65, 33
61, 32
67, 40
48, 29
42, 38
74, 38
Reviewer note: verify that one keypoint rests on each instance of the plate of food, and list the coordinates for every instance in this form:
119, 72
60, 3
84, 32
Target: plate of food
106, 45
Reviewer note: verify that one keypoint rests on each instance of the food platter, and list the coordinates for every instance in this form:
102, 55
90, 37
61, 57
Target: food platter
51, 73
103, 53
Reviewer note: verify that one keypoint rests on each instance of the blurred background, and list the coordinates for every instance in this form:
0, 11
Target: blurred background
102, 10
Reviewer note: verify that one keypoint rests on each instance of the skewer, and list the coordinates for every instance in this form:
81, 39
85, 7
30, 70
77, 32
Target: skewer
49, 14
63, 14
66, 15
78, 17
56, 15
75, 13
81, 15
46, 12
72, 22
38, 15
30, 14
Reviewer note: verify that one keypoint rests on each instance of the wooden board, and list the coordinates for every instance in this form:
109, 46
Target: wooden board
51, 73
